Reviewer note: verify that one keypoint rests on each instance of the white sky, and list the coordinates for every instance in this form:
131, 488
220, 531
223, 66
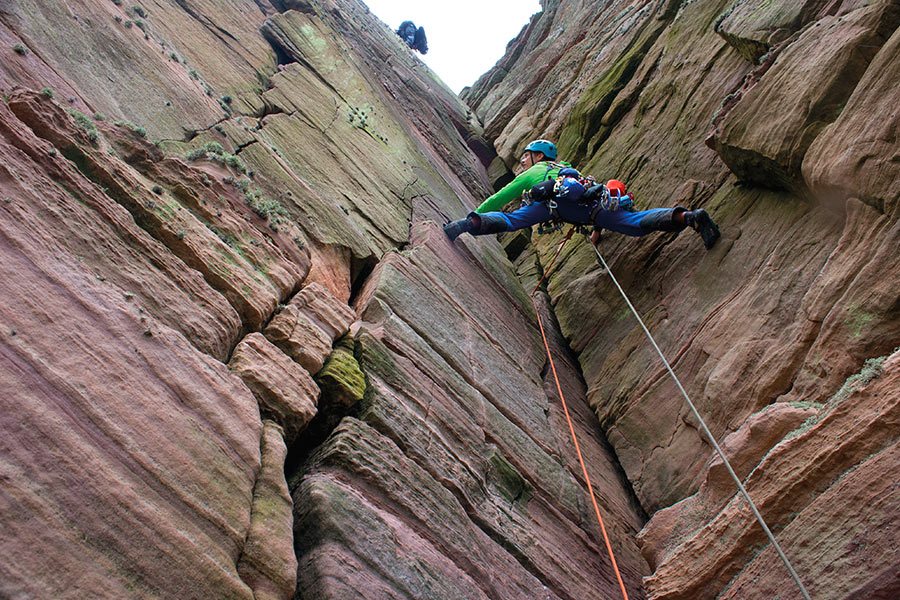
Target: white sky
465, 37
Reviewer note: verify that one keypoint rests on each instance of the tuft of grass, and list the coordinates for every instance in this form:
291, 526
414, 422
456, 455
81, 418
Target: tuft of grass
85, 122
128, 24
225, 103
872, 369
215, 151
234, 162
20, 49
47, 92
214, 148
264, 206
135, 128
268, 208
139, 11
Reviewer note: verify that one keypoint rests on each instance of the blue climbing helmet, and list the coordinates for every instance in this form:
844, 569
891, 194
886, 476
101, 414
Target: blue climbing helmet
546, 147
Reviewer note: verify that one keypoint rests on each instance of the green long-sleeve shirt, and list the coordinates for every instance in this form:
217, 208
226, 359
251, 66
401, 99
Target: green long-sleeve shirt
525, 180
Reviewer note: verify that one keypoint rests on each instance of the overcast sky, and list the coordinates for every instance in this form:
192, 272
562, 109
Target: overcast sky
465, 37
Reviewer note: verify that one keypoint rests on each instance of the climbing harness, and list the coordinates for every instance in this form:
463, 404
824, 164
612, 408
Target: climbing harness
571, 188
562, 397
687, 398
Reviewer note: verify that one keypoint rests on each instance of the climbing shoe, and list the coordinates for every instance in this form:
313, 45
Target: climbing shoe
700, 221
455, 228
492, 222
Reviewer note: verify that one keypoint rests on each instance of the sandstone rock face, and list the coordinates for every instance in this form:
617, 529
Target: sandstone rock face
300, 338
128, 456
268, 564
330, 315
800, 291
203, 205
285, 391
764, 141
172, 174
448, 478
753, 27
834, 491
856, 155
50, 209
744, 448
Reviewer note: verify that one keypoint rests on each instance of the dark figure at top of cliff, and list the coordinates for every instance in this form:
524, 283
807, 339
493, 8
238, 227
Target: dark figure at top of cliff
413, 36
557, 192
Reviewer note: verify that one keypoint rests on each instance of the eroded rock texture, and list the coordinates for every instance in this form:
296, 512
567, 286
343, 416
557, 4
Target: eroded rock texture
799, 168
220, 257
191, 194
459, 468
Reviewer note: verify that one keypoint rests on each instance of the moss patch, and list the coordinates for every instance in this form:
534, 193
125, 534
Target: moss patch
584, 131
341, 380
377, 359
508, 481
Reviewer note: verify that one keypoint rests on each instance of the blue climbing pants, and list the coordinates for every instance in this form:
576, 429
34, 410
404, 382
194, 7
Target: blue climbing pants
636, 223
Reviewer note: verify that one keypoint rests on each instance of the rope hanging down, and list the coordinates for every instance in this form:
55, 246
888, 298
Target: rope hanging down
709, 434
562, 398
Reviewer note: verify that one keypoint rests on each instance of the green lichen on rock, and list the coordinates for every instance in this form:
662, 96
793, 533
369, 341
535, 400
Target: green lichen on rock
341, 380
377, 360
872, 369
507, 480
585, 128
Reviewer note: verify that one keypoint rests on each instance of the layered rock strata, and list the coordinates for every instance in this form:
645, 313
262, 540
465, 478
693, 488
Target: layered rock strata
192, 193
775, 117
458, 466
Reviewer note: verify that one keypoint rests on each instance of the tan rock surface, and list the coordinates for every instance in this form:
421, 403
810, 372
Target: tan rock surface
744, 448
252, 291
330, 315
810, 488
49, 210
856, 156
764, 141
129, 457
299, 337
135, 464
506, 460
285, 391
143, 72
132, 459
268, 563
797, 294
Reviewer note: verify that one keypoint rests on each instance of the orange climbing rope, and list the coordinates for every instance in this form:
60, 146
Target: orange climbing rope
709, 435
562, 397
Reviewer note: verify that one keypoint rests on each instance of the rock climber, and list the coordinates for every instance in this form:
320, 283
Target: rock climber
413, 36
553, 191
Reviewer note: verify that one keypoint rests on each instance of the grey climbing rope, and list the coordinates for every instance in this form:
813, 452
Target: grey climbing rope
709, 434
